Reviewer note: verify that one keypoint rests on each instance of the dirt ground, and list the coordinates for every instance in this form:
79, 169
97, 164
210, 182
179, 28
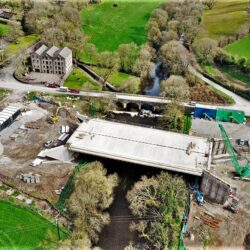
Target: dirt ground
234, 227
202, 93
17, 153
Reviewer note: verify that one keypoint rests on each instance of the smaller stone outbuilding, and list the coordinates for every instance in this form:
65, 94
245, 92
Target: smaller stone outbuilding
52, 60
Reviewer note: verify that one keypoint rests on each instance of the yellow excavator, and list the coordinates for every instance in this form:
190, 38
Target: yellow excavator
54, 118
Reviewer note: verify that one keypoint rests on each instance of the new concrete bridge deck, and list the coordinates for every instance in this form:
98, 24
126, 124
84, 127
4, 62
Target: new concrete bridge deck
143, 146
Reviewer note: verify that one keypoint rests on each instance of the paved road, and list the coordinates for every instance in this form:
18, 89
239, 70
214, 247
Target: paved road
9, 82
240, 103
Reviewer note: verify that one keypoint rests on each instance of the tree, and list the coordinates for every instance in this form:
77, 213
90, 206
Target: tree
109, 62
175, 58
173, 117
15, 32
161, 200
168, 36
161, 17
210, 3
53, 37
130, 85
175, 88
154, 33
127, 54
92, 195
144, 63
206, 49
91, 51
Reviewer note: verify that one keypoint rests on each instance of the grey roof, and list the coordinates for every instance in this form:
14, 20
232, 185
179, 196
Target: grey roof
41, 50
65, 52
52, 51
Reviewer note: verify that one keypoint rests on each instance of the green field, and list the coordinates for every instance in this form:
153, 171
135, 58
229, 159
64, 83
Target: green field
21, 44
115, 78
5, 28
233, 73
225, 18
78, 79
109, 26
240, 48
21, 229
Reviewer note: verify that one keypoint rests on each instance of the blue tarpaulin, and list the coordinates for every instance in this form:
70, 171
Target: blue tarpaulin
205, 113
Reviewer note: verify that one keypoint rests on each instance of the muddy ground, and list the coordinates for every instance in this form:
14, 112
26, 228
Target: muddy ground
234, 227
18, 152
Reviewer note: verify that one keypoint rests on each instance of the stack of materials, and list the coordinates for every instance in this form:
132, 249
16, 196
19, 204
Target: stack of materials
29, 178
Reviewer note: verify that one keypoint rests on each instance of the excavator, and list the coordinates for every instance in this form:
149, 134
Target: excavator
242, 171
54, 118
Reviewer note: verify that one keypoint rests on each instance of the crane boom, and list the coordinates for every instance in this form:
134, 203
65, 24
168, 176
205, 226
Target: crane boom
243, 171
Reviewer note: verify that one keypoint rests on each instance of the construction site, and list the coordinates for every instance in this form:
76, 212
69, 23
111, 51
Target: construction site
46, 137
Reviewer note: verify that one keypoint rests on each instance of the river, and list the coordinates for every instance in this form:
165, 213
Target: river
153, 88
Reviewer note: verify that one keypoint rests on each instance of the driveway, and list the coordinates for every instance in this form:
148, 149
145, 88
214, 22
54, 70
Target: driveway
240, 103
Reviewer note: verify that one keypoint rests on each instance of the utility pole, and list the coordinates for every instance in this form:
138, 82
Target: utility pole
58, 230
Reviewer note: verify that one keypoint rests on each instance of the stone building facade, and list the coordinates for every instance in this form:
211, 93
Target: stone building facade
52, 60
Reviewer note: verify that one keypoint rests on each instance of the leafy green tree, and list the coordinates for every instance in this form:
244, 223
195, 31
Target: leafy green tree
175, 58
173, 117
160, 199
109, 62
175, 88
92, 195
127, 54
130, 85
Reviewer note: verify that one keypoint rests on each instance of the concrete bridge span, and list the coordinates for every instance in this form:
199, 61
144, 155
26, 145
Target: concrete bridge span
144, 146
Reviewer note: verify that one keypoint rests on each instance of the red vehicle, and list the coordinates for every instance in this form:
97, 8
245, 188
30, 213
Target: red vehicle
52, 85
75, 91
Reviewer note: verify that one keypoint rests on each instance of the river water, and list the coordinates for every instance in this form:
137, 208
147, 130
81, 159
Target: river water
156, 74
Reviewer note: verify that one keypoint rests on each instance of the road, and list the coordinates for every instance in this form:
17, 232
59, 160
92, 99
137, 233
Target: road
7, 81
240, 103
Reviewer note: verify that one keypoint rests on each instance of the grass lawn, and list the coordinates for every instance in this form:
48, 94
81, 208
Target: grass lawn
21, 229
225, 18
115, 78
109, 26
21, 44
240, 48
78, 79
3, 93
210, 70
5, 28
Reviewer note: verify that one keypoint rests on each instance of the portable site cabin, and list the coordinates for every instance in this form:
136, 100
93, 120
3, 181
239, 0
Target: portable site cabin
8, 115
226, 115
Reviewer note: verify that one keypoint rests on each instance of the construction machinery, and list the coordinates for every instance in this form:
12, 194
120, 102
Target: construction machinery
242, 171
54, 118
232, 203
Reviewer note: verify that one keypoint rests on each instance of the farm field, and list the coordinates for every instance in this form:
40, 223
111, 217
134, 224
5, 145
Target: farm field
21, 229
79, 80
110, 26
225, 18
240, 48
